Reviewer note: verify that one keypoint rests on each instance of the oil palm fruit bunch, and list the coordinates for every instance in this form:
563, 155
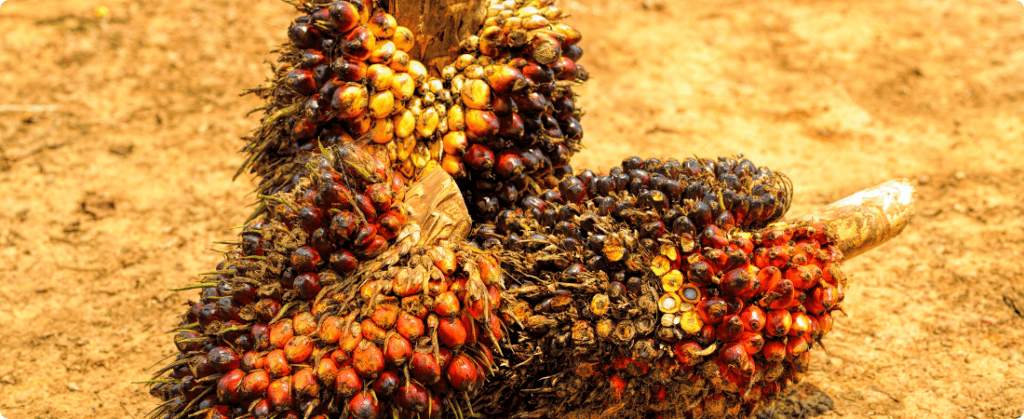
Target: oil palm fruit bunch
501, 115
344, 76
613, 313
252, 341
514, 124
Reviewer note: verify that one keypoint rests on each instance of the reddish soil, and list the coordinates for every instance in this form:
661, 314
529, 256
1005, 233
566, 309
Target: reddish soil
115, 195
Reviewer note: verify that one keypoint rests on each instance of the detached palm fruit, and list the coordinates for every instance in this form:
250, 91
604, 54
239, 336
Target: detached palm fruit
249, 344
614, 314
345, 76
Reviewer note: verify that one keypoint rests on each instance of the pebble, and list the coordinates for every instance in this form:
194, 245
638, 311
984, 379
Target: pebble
73, 386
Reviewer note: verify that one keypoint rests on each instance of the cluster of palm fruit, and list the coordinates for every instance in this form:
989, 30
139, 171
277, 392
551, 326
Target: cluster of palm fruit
660, 289
616, 314
501, 116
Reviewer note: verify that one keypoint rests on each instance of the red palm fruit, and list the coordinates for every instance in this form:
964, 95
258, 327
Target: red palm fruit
330, 330
277, 364
344, 16
387, 384
493, 334
505, 79
261, 409
735, 281
389, 224
306, 285
734, 355
778, 323
688, 352
712, 310
803, 277
251, 360
228, 386
413, 397
479, 158
446, 304
463, 375
203, 368
452, 332
298, 349
223, 359
304, 323
310, 218
340, 357
424, 367
364, 405
752, 342
358, 44
442, 387
490, 273
701, 273
825, 323
409, 326
344, 261
254, 384
326, 370
347, 382
801, 324
774, 351
385, 315
305, 259
508, 165
372, 332
779, 256
305, 384
376, 246
511, 126
814, 333
266, 310
300, 81
796, 345
405, 285
351, 338
279, 394
368, 360
397, 350
782, 296
753, 318
281, 332
730, 329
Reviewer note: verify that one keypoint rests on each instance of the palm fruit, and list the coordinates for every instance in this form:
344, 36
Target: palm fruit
513, 123
250, 344
614, 314
345, 76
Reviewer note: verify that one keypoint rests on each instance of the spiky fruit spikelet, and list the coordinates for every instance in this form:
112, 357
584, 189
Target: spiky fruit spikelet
501, 115
243, 345
616, 316
412, 334
515, 123
345, 76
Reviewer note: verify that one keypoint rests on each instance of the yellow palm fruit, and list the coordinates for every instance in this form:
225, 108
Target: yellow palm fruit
436, 150
406, 147
380, 77
420, 156
426, 124
392, 148
360, 125
455, 143
382, 104
400, 61
418, 71
405, 123
454, 166
403, 86
476, 94
403, 39
456, 118
383, 130
463, 61
383, 52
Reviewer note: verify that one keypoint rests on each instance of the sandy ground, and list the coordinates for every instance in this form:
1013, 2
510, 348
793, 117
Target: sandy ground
114, 195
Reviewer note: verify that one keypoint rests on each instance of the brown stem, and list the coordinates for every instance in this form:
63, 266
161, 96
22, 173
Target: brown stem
870, 217
439, 26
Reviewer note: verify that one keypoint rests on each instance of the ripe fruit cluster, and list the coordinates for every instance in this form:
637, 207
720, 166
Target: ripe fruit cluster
610, 312
251, 344
501, 116
517, 124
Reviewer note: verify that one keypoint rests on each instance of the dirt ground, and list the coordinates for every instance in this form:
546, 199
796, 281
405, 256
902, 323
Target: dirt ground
115, 194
